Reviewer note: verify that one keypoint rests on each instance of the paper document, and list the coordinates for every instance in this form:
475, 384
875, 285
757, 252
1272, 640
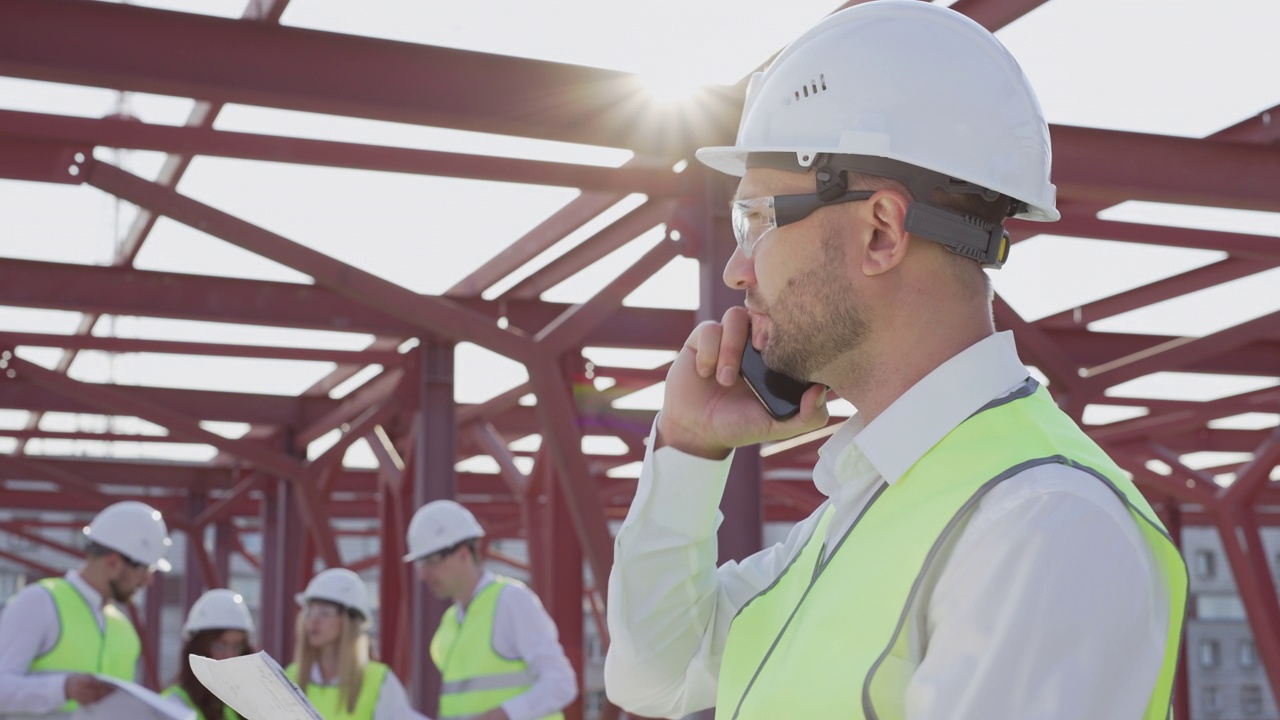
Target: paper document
132, 701
254, 686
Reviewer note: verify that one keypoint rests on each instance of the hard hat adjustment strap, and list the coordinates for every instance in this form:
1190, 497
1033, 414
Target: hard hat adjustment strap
961, 234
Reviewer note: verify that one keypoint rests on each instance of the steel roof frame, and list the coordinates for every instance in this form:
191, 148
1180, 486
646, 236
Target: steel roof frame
415, 432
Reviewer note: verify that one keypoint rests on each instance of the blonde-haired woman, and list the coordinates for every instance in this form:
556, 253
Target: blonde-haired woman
331, 657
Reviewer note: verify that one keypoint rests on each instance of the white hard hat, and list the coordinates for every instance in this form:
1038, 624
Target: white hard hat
219, 609
905, 80
438, 525
339, 586
135, 530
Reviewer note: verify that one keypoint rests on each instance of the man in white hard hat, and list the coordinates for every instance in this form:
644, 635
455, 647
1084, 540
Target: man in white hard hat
977, 557
497, 649
57, 634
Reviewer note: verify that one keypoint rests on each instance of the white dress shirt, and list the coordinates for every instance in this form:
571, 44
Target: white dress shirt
1050, 604
29, 628
393, 701
522, 630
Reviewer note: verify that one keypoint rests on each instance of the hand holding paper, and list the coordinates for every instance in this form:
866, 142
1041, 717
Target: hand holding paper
254, 686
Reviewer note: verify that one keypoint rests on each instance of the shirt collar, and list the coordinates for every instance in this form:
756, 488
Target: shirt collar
926, 412
487, 578
93, 597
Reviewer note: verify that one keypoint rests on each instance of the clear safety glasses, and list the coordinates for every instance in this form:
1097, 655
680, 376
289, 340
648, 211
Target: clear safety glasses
753, 218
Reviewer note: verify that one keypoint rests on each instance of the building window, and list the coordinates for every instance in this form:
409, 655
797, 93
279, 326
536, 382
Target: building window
1248, 654
1251, 699
1205, 564
1211, 699
1209, 653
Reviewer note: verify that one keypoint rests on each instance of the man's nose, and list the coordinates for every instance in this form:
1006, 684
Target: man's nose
740, 271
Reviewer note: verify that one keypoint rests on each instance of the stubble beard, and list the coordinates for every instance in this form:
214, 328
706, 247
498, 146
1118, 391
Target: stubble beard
119, 595
814, 321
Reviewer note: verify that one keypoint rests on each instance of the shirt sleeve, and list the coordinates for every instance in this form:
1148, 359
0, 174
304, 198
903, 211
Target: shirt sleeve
393, 701
523, 630
1051, 606
669, 605
28, 629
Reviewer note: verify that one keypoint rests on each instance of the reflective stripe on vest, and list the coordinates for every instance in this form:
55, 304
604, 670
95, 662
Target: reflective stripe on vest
842, 637
328, 701
175, 691
81, 646
476, 678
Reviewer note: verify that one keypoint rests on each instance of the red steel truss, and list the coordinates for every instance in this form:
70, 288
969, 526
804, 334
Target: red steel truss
263, 482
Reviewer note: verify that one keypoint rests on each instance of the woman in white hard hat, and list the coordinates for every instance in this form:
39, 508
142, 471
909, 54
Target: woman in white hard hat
218, 626
331, 660
57, 635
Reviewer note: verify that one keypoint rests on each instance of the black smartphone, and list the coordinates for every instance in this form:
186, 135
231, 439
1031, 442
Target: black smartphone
780, 394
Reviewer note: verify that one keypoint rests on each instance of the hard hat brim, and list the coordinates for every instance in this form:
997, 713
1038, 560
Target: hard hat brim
732, 160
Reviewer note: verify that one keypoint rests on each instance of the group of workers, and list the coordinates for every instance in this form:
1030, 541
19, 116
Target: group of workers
497, 649
978, 555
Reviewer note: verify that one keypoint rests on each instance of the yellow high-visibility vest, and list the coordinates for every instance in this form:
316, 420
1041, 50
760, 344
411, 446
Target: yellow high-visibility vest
327, 698
475, 678
781, 660
81, 646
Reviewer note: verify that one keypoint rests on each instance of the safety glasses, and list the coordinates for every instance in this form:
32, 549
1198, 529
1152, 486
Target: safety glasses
753, 218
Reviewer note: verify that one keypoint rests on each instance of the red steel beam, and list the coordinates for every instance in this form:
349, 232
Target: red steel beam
1107, 165
548, 232
374, 392
171, 347
155, 294
42, 161
618, 233
562, 438
173, 53
64, 131
1207, 276
202, 114
576, 324
1040, 348
995, 14
109, 399
1087, 225
1251, 567
1261, 129
433, 314
21, 530
1180, 352
38, 567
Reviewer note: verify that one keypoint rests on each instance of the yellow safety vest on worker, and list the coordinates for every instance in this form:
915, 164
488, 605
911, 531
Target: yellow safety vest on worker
84, 648
176, 692
780, 659
327, 700
475, 678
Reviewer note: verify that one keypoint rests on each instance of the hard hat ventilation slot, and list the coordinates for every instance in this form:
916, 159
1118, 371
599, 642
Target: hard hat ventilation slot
813, 88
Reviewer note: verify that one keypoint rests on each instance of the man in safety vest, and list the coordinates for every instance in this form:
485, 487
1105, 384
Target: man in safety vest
57, 634
497, 650
978, 557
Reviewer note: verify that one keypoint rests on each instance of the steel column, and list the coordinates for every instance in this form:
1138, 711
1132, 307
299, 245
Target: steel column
433, 479
154, 602
192, 582
283, 570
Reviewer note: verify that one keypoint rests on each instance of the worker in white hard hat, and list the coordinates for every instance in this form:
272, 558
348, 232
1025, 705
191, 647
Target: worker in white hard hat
58, 633
497, 649
218, 626
977, 556
331, 661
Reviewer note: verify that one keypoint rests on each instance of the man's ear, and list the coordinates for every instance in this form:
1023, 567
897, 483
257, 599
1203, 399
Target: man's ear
886, 213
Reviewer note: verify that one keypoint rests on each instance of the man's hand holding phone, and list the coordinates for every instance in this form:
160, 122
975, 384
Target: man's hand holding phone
709, 409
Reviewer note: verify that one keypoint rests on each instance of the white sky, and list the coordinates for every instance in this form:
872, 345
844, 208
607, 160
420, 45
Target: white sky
1178, 67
